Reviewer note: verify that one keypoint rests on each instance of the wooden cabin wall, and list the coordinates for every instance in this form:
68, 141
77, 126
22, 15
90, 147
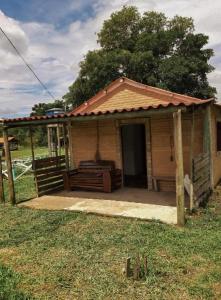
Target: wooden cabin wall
84, 137
216, 155
163, 159
84, 141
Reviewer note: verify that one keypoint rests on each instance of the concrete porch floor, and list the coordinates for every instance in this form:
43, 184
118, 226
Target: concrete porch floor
125, 202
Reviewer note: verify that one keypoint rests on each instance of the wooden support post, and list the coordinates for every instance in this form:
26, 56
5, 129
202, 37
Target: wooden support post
9, 168
49, 141
179, 167
119, 149
70, 145
207, 140
2, 196
54, 141
33, 158
148, 155
192, 129
32, 144
66, 147
58, 140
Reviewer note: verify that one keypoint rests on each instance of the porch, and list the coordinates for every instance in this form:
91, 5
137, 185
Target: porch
125, 202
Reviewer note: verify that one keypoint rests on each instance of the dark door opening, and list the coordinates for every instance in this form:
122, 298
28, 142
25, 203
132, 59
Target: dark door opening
134, 155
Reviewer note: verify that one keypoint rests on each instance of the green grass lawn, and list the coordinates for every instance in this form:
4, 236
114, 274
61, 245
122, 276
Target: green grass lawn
25, 152
68, 255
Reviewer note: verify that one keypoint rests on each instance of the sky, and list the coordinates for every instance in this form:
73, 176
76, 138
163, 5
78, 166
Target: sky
54, 36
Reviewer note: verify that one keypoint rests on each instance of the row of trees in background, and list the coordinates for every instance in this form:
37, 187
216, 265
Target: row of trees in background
148, 48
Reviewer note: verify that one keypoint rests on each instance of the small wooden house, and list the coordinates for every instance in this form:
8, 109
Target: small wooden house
160, 140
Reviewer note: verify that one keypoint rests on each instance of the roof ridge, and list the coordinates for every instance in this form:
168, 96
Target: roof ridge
172, 96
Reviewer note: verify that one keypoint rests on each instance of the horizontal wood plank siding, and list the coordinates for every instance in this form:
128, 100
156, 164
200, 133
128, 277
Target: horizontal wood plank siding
216, 156
84, 136
163, 158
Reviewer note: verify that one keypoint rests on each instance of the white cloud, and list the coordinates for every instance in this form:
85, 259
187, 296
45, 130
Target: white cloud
55, 54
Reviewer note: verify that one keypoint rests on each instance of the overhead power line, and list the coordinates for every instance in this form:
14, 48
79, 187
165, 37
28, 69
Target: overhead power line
25, 62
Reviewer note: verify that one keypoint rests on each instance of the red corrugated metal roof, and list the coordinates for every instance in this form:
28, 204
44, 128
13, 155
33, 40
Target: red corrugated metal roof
155, 98
152, 97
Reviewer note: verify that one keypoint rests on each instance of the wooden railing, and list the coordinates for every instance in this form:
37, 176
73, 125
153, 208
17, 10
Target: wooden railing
201, 177
49, 174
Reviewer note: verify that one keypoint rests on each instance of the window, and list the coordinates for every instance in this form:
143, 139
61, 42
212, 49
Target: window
218, 136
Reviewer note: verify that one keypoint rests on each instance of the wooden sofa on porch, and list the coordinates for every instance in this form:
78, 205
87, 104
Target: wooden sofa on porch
93, 176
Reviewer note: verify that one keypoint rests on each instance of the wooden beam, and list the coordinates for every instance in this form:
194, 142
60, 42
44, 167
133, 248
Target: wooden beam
192, 137
119, 149
9, 168
207, 139
2, 196
66, 147
70, 145
31, 143
179, 167
33, 158
58, 139
148, 155
49, 140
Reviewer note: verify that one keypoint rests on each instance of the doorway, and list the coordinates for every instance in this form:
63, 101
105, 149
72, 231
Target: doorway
134, 155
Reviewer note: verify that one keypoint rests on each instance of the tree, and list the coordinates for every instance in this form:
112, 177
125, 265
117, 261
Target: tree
148, 48
41, 108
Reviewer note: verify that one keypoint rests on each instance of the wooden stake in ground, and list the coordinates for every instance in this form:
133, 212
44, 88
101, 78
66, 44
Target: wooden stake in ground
2, 196
127, 267
9, 168
137, 268
179, 167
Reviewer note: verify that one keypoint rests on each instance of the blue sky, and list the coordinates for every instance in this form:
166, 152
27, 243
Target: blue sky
60, 13
54, 36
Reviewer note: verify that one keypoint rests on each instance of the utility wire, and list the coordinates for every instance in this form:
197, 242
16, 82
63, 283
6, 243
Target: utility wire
28, 66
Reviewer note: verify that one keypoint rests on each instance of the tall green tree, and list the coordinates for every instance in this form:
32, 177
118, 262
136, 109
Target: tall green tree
148, 48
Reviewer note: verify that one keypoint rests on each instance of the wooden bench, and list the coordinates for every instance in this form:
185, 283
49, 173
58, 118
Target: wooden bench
157, 179
94, 176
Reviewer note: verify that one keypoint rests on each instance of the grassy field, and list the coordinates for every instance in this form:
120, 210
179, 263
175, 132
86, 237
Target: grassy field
23, 153
68, 255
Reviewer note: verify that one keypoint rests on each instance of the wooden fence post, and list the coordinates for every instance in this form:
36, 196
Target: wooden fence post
9, 167
2, 196
179, 167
